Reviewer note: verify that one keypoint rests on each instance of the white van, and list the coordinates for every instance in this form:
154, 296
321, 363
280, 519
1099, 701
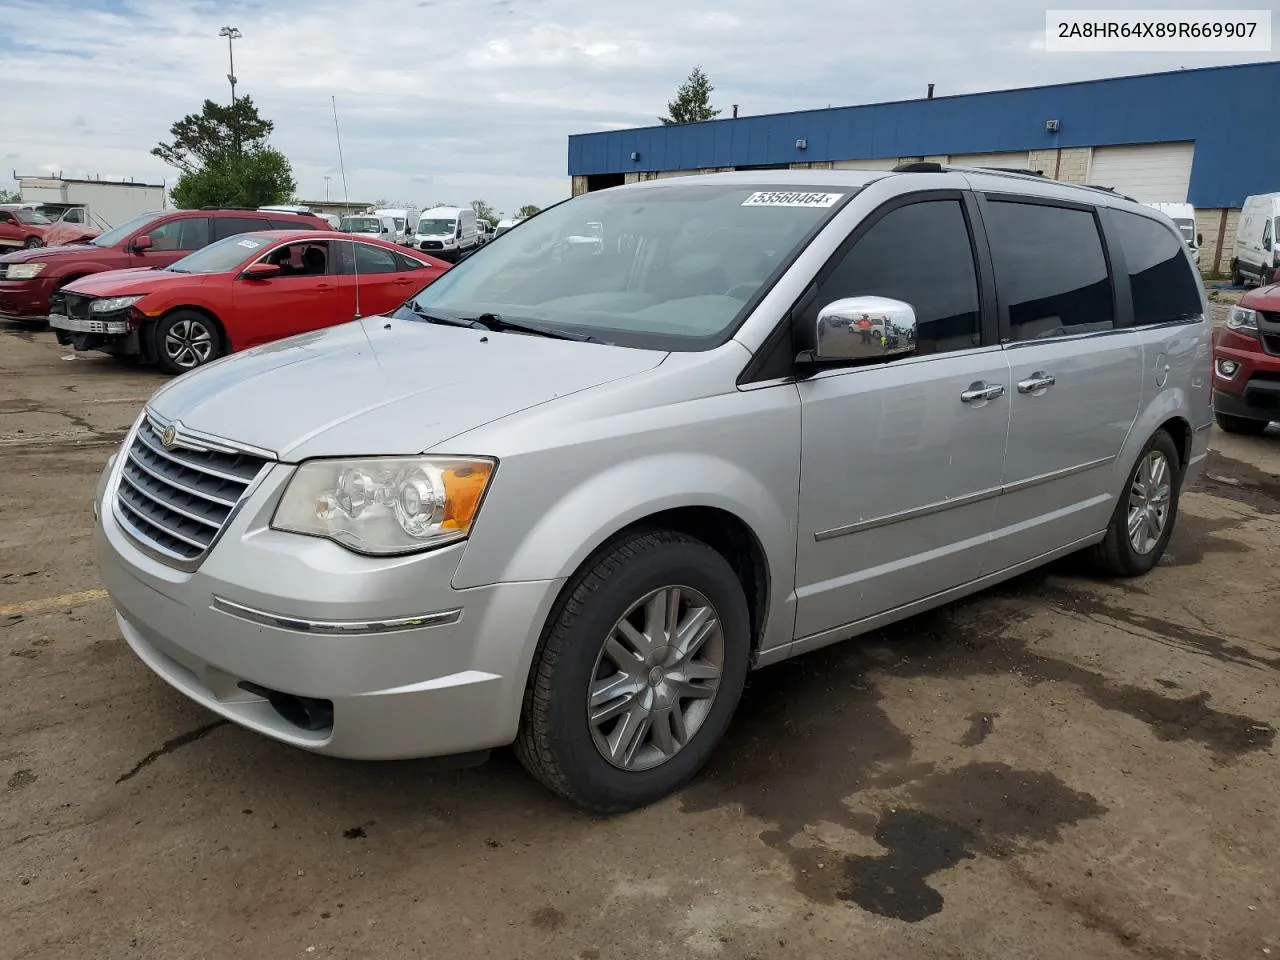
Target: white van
505, 225
1183, 216
369, 225
447, 232
1257, 249
404, 218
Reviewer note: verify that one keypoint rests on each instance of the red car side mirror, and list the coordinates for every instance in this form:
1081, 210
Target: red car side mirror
261, 271
142, 243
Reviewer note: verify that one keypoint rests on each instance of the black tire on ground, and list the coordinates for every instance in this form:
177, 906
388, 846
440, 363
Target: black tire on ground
1245, 425
1237, 278
1266, 277
1116, 555
184, 340
555, 742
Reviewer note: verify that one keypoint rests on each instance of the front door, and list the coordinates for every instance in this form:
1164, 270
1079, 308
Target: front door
901, 460
171, 241
1076, 376
307, 295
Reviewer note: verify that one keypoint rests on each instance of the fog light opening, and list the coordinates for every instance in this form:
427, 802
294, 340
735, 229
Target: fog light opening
306, 713
1227, 369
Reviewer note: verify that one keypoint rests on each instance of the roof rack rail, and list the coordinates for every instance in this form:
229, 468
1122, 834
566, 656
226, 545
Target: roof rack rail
919, 166
1023, 171
1111, 190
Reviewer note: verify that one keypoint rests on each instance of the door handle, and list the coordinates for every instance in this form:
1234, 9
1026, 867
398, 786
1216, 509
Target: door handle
1037, 381
324, 286
982, 391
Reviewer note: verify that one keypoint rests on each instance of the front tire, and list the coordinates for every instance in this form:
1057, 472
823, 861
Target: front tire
638, 672
1144, 517
1242, 425
184, 340
33, 243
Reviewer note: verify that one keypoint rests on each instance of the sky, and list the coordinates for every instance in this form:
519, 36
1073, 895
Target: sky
457, 100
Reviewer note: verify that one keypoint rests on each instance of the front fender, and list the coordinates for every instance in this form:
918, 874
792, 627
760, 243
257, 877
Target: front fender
553, 544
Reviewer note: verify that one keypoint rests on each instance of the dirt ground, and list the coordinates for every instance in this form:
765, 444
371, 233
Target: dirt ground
1062, 768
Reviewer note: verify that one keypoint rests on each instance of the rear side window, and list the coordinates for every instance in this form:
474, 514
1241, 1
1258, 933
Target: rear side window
1161, 282
370, 259
1051, 272
224, 227
886, 262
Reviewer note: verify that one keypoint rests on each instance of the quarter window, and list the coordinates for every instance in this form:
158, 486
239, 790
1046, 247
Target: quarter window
1050, 269
1162, 284
189, 233
920, 254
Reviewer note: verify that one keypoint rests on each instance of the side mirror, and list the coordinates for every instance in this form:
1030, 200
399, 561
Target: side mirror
458, 231
142, 244
865, 328
261, 271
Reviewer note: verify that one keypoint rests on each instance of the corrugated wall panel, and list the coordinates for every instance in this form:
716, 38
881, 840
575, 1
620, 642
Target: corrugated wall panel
1216, 107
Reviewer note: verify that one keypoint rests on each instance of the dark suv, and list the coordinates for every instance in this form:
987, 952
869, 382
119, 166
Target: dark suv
29, 278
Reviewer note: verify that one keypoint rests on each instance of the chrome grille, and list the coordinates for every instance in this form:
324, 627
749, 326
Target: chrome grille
176, 500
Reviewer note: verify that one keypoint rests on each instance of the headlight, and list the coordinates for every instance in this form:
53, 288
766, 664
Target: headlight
1243, 320
25, 271
112, 304
386, 506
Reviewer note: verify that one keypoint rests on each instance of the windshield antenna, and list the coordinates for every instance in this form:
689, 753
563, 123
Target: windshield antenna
346, 202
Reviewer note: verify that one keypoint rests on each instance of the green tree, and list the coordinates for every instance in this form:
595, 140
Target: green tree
224, 158
528, 210
9, 196
484, 211
692, 102
249, 180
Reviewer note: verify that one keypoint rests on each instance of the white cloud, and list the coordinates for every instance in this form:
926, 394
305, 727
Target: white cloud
476, 98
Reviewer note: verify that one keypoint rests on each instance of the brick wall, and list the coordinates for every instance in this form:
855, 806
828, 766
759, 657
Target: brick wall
1210, 224
579, 186
1073, 165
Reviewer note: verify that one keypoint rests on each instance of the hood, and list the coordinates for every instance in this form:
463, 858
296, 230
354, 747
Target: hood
382, 386
1262, 298
45, 253
116, 283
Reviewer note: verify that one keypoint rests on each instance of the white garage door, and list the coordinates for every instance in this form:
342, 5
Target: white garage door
1017, 161
885, 163
1150, 173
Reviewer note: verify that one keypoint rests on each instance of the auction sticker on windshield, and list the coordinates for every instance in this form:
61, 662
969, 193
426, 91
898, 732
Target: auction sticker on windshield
776, 199
251, 244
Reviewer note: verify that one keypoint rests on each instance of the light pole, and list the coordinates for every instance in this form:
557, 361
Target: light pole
232, 34
326, 188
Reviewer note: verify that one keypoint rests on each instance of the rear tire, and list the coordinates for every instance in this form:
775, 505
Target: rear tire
1242, 425
1266, 277
184, 340
1145, 513
615, 717
1237, 278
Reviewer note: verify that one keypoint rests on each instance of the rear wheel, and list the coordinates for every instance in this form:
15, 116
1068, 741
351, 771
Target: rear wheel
184, 340
1245, 425
639, 670
1237, 278
1143, 519
1266, 277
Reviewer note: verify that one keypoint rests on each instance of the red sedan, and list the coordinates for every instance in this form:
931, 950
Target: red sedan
237, 293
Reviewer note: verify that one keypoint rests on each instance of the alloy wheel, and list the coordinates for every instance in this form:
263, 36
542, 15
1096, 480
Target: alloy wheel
1149, 497
188, 343
656, 678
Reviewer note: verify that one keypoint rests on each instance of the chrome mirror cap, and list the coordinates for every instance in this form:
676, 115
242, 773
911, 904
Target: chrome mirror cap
865, 328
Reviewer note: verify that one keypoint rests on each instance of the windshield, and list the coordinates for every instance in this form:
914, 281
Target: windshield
670, 267
30, 216
361, 225
436, 227
222, 256
113, 237
1187, 228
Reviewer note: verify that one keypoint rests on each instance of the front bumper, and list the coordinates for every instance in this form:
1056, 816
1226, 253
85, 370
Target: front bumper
25, 299
60, 322
407, 665
1258, 402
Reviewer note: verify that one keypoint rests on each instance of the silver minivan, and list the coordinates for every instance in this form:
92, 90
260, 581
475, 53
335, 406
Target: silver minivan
566, 498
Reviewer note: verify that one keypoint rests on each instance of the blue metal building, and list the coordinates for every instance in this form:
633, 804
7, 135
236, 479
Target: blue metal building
1203, 132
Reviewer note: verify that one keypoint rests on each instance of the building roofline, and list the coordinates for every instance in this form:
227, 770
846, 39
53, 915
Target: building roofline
1097, 81
119, 183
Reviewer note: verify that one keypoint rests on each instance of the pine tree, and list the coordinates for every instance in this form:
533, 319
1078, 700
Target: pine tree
692, 102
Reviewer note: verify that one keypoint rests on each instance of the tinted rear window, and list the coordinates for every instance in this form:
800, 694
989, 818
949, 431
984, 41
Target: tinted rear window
1051, 272
1162, 284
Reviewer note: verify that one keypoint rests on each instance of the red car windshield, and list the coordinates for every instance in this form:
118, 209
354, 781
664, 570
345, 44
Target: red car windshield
224, 255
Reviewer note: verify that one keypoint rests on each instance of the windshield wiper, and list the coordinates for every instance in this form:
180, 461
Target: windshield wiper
442, 318
497, 323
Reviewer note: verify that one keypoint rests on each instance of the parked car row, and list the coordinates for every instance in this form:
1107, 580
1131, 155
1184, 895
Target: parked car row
28, 225
181, 288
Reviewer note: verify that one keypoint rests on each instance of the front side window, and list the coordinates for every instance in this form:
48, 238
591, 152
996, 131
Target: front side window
306, 258
942, 287
1050, 269
668, 266
113, 237
1162, 284
188, 233
1266, 235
